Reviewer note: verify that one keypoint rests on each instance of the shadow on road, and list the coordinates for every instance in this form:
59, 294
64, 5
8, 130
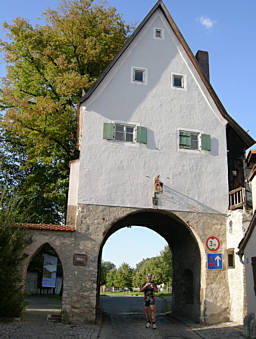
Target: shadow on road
112, 304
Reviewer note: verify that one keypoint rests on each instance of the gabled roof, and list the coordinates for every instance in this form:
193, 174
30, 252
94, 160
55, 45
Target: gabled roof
247, 235
246, 138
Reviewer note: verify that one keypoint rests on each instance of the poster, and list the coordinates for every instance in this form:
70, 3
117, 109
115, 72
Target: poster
49, 271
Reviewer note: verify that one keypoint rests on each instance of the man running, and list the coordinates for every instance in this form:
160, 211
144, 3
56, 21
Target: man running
149, 288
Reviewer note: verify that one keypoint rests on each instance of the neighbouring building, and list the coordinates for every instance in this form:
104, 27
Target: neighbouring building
247, 253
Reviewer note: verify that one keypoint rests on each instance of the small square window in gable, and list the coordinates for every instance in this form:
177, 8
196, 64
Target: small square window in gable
177, 81
139, 75
158, 33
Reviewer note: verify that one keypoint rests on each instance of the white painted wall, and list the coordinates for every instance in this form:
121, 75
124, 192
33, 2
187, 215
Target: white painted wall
121, 174
249, 252
236, 274
253, 188
73, 182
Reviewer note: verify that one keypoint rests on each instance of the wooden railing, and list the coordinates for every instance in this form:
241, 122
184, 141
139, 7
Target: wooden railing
237, 198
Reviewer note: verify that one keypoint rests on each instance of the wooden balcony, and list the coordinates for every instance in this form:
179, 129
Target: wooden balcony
237, 198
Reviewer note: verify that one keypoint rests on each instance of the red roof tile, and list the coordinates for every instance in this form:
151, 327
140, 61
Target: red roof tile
47, 227
251, 157
252, 173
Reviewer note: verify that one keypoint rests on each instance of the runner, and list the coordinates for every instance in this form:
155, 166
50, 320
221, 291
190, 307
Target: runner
149, 288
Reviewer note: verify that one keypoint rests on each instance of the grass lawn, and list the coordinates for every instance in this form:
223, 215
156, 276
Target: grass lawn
135, 294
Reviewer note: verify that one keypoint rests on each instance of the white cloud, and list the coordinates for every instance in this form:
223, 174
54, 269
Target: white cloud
206, 22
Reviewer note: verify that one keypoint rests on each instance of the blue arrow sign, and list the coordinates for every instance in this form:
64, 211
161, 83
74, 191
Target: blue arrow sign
215, 261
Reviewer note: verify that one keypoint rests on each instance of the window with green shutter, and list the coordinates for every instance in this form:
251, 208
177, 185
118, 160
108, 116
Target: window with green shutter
190, 140
206, 142
108, 131
141, 134
124, 132
185, 139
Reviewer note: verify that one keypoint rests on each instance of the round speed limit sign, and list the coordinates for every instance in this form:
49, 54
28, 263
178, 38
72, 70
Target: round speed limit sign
213, 244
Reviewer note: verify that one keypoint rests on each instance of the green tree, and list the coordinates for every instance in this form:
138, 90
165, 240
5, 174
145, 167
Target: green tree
34, 182
160, 267
13, 240
123, 277
106, 266
166, 265
111, 278
48, 68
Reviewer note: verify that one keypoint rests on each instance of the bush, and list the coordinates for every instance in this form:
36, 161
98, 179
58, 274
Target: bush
13, 240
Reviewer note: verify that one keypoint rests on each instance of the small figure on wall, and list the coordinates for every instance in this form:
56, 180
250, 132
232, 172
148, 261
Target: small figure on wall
158, 185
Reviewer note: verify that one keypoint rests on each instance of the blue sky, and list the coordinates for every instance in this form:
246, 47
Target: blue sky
226, 29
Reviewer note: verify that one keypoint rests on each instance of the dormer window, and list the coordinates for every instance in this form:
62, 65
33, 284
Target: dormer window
139, 75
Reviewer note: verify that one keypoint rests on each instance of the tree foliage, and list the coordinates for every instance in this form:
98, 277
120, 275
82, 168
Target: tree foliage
111, 278
119, 278
126, 277
41, 187
123, 277
13, 240
160, 267
106, 266
48, 68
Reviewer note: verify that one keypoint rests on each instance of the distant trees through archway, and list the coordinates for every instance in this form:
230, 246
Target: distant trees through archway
180, 258
129, 275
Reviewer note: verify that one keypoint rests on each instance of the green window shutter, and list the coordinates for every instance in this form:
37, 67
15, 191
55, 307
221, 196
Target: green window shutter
141, 134
206, 142
185, 140
108, 131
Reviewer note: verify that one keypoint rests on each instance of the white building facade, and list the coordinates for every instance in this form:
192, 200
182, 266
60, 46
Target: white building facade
153, 112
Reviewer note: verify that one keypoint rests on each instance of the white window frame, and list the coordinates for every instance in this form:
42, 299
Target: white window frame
125, 125
162, 33
184, 81
145, 75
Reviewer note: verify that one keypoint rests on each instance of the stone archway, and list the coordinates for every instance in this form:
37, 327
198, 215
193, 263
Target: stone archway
61, 239
187, 287
34, 269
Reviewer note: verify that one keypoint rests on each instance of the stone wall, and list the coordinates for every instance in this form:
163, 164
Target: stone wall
95, 223
201, 294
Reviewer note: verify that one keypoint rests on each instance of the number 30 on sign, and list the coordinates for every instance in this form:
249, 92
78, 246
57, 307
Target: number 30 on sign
213, 244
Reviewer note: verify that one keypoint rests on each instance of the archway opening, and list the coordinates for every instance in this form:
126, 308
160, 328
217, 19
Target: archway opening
186, 258
44, 279
128, 256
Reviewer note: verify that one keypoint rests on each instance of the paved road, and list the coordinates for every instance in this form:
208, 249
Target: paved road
123, 319
132, 305
43, 302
